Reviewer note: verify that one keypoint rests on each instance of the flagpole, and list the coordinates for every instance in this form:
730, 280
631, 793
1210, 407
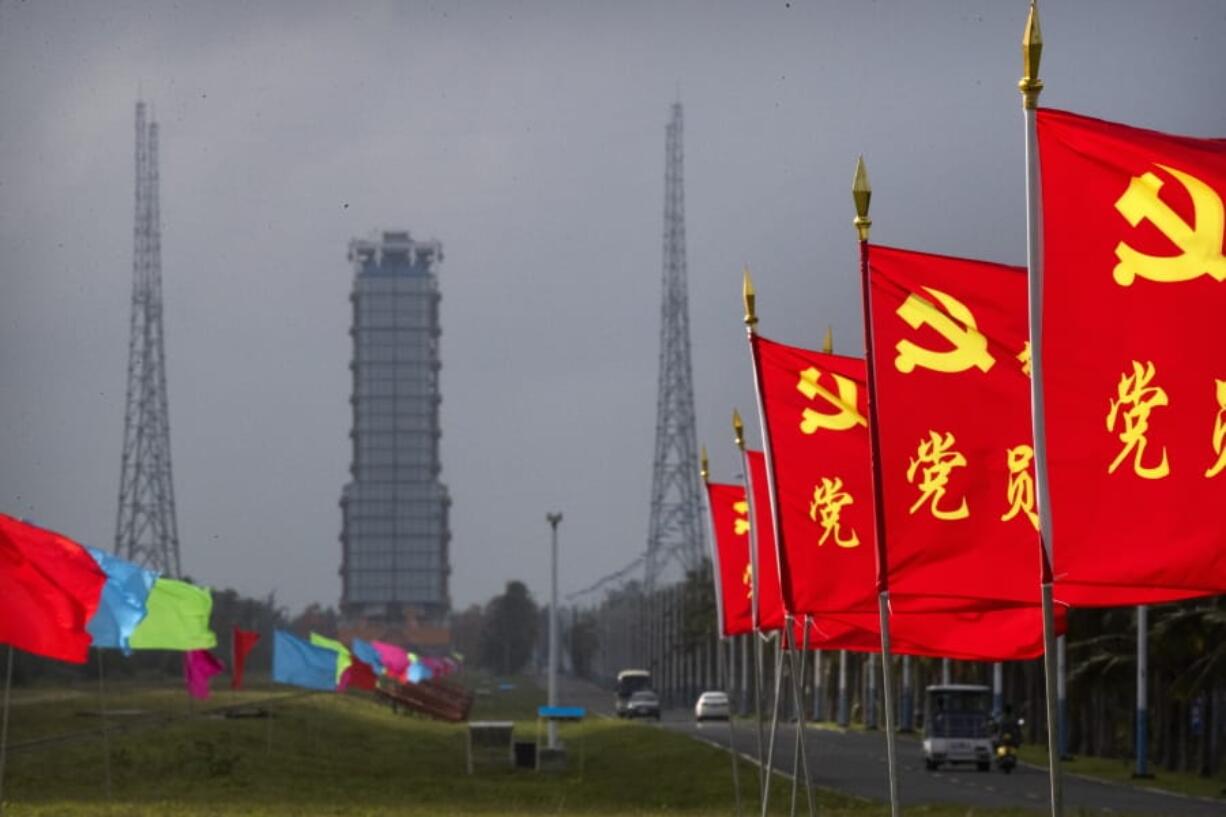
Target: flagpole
1031, 86
106, 735
774, 728
722, 661
4, 726
861, 195
738, 428
798, 685
1142, 770
736, 777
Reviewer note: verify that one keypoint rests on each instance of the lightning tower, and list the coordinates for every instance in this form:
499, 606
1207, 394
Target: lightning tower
675, 529
146, 531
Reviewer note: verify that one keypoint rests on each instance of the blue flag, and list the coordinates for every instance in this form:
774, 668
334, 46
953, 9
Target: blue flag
419, 672
302, 664
367, 654
122, 605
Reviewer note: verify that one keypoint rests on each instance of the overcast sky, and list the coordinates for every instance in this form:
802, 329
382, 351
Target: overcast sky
529, 139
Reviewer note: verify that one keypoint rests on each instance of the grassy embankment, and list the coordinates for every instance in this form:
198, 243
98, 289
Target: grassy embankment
345, 755
1119, 770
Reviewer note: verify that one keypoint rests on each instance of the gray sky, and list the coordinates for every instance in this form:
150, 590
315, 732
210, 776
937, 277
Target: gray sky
529, 139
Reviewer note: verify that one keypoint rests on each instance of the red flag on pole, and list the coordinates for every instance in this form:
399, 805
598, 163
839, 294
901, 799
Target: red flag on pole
730, 534
241, 643
953, 405
358, 675
49, 590
815, 431
1134, 363
770, 602
841, 594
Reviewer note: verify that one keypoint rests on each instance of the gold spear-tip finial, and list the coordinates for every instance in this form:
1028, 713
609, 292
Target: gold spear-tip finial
750, 297
1032, 51
828, 341
738, 428
704, 465
861, 195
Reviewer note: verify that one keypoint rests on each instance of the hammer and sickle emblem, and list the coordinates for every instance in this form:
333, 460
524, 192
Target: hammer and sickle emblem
958, 327
845, 401
1200, 246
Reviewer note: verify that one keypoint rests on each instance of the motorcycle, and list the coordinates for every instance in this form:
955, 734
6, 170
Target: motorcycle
1006, 747
1006, 757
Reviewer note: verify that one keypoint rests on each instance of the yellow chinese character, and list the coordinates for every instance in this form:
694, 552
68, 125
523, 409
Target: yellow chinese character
1023, 357
829, 499
741, 525
1021, 484
747, 580
846, 416
956, 324
1199, 243
1135, 400
938, 460
1219, 432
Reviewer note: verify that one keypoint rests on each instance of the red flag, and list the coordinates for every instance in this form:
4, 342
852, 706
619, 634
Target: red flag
809, 506
816, 432
770, 602
198, 667
730, 539
241, 643
1134, 363
952, 395
358, 675
49, 590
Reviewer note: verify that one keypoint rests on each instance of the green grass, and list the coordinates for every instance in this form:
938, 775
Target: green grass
345, 755
1119, 770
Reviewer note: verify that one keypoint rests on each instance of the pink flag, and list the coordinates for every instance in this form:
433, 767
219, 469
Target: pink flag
395, 659
198, 667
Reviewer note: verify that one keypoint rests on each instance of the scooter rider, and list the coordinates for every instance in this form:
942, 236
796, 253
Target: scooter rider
1008, 729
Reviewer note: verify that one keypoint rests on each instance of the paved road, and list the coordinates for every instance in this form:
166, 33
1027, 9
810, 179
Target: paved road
854, 763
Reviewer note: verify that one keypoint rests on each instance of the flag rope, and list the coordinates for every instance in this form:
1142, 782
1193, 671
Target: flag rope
4, 726
106, 733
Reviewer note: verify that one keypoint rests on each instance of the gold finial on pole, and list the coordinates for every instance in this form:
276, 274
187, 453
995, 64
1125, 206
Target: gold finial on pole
1032, 51
861, 195
704, 465
738, 428
828, 342
750, 297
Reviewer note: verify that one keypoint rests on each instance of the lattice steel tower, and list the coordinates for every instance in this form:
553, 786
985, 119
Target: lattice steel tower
147, 532
675, 529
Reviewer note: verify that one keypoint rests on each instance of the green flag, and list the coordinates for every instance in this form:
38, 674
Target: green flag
343, 658
178, 618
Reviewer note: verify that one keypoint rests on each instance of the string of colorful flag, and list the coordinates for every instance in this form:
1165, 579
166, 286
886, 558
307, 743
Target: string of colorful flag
59, 598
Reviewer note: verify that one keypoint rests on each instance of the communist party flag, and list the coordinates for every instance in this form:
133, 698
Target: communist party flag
730, 537
770, 599
49, 589
825, 527
1134, 360
815, 427
952, 394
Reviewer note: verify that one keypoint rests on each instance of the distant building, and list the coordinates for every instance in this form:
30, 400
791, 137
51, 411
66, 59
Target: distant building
395, 533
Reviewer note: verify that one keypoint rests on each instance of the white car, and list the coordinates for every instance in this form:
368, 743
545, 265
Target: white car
712, 706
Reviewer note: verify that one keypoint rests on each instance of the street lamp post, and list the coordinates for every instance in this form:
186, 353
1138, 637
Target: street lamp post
553, 519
